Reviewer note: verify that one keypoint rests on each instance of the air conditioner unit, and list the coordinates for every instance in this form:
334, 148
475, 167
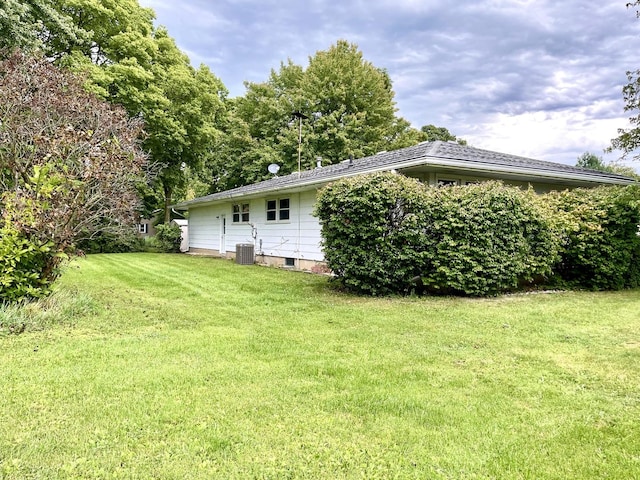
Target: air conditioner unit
244, 254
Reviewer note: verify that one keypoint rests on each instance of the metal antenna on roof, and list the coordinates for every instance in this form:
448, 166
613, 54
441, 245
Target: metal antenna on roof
299, 116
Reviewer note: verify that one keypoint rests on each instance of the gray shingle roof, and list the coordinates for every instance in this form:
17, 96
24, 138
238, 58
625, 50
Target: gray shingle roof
426, 153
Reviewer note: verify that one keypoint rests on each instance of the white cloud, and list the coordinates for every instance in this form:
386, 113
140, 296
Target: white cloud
540, 78
559, 136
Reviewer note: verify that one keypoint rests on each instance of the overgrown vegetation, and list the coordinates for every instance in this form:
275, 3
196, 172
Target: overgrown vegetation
167, 238
61, 308
386, 234
70, 166
106, 242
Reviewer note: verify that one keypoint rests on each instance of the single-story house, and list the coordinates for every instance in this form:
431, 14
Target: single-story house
275, 216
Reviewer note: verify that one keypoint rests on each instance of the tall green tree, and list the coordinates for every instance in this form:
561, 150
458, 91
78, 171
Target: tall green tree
339, 106
27, 25
628, 139
268, 118
349, 103
140, 67
431, 133
592, 161
131, 63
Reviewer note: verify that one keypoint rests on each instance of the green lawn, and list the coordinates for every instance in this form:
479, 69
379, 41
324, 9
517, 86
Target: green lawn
171, 366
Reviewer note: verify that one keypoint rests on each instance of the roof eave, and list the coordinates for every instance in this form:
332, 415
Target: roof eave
526, 173
535, 172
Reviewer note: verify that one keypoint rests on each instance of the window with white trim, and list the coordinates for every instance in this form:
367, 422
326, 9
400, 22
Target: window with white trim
143, 228
278, 210
240, 213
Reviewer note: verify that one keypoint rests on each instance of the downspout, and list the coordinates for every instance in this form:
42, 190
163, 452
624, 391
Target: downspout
177, 213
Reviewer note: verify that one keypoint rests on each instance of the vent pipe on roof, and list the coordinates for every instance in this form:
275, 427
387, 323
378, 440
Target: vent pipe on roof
350, 160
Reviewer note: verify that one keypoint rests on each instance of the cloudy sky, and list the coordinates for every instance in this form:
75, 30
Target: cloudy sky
539, 78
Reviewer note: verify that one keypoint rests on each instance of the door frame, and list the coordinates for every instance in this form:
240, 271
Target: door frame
223, 234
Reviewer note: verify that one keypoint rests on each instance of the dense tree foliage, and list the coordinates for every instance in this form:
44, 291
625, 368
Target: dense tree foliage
339, 106
628, 140
593, 162
70, 166
131, 63
432, 133
349, 103
29, 24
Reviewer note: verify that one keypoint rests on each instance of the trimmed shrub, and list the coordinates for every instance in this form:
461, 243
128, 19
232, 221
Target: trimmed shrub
386, 233
487, 238
372, 231
601, 246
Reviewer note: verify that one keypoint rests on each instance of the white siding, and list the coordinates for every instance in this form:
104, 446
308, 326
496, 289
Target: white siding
204, 227
310, 239
298, 237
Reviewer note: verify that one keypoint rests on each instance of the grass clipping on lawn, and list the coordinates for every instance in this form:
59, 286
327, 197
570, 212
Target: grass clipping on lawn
170, 366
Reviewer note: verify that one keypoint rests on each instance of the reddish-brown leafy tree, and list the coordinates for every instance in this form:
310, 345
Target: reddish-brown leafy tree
69, 165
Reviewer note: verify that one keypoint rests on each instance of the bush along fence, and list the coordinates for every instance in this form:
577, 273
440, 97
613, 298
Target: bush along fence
388, 234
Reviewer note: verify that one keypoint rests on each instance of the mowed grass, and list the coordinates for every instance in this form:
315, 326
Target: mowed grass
187, 367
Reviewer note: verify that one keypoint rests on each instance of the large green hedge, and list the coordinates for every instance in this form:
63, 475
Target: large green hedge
386, 234
601, 246
486, 238
372, 229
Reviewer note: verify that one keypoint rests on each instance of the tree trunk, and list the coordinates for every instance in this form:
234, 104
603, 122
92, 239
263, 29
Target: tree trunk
168, 192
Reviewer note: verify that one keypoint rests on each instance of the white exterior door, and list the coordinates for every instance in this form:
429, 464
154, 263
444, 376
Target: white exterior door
223, 234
